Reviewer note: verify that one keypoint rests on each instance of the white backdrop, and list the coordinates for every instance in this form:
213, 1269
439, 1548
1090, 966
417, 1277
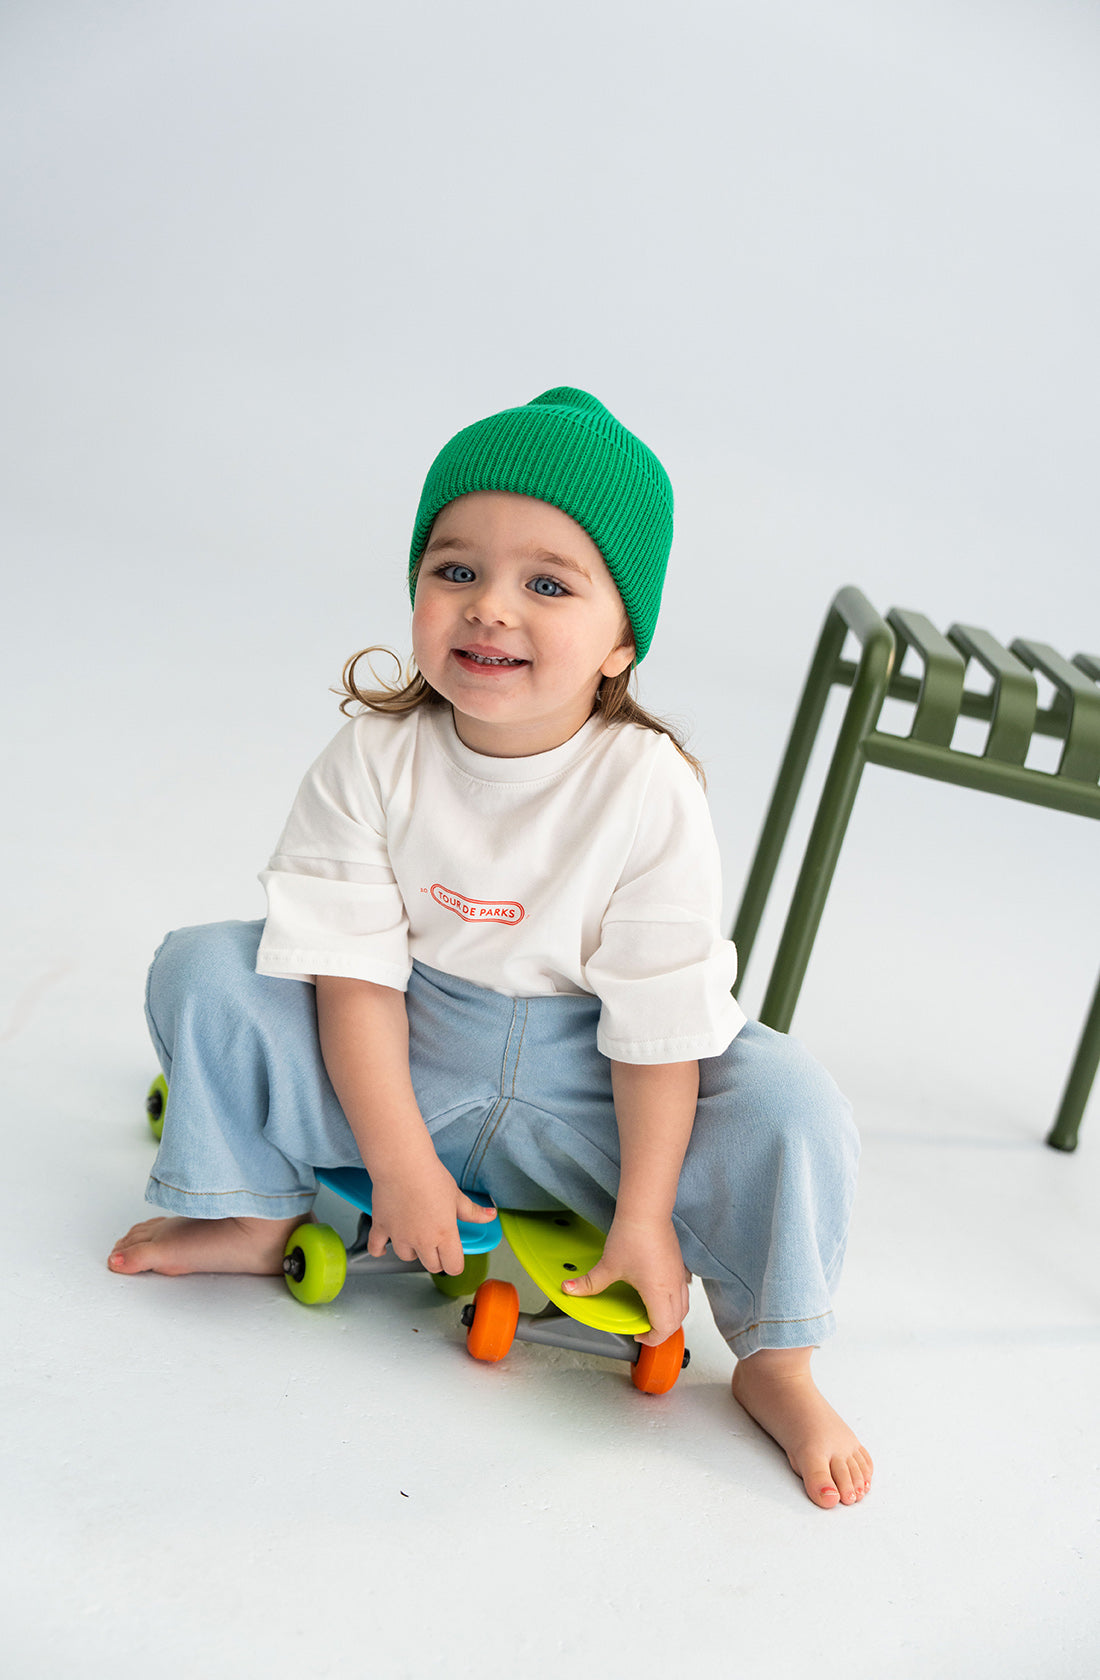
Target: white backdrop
837, 264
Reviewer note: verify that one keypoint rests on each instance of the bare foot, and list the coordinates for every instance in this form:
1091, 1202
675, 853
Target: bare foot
776, 1389
175, 1246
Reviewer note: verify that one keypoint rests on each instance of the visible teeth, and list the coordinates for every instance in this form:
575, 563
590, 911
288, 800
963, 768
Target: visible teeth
481, 659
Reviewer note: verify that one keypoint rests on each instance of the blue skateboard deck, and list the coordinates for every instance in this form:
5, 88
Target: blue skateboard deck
354, 1185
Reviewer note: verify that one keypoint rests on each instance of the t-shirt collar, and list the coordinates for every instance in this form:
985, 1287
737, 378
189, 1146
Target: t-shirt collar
538, 767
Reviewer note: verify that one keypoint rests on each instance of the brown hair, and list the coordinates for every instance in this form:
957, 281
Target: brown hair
410, 689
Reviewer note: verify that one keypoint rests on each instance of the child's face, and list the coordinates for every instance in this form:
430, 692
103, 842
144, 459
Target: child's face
507, 576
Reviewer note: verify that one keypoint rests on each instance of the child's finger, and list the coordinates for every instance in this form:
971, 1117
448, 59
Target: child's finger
665, 1318
658, 1333
592, 1282
474, 1211
452, 1260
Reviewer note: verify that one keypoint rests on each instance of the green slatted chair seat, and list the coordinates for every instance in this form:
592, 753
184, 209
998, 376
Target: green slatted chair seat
939, 697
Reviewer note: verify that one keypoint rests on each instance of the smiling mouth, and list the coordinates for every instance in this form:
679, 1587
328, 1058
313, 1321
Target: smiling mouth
484, 660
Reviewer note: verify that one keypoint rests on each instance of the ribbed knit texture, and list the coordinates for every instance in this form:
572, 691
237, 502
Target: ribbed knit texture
566, 448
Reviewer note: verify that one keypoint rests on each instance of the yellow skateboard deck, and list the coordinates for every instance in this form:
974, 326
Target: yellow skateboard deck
554, 1246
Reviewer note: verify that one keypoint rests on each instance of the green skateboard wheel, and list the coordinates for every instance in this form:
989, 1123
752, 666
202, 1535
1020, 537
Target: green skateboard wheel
471, 1277
315, 1264
155, 1104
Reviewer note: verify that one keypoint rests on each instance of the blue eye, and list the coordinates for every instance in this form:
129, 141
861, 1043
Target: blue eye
456, 566
547, 586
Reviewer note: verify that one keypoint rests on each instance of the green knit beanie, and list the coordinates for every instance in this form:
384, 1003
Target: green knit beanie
565, 448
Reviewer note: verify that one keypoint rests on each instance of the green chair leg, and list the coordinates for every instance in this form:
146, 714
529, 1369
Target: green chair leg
800, 742
1063, 1134
850, 611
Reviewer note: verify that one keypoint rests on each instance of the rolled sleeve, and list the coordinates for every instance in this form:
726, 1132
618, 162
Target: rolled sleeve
317, 926
662, 970
333, 903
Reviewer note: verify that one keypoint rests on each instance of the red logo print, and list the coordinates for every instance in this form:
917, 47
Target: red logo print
478, 909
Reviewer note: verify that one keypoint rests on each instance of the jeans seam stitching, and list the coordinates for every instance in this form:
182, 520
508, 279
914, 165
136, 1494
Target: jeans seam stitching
494, 1118
261, 1195
759, 1323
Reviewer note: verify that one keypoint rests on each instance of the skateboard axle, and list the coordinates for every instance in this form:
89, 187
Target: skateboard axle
553, 1328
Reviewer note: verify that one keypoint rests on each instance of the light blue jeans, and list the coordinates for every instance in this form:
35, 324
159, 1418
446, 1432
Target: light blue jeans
518, 1102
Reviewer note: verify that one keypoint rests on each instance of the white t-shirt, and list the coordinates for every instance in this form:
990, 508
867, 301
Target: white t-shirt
592, 868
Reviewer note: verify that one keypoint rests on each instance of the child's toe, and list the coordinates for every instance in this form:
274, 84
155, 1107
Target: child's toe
131, 1256
861, 1468
821, 1485
136, 1234
849, 1478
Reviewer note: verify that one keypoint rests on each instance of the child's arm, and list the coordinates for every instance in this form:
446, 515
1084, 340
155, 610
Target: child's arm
655, 1110
364, 1033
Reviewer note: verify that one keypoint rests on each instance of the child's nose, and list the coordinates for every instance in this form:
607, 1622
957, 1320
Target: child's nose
490, 605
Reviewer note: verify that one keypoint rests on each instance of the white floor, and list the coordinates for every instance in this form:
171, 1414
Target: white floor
201, 1474
833, 262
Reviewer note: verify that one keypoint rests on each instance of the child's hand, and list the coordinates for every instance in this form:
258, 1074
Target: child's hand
645, 1253
417, 1213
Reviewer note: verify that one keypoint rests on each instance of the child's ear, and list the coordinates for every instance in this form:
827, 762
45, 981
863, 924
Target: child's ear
618, 660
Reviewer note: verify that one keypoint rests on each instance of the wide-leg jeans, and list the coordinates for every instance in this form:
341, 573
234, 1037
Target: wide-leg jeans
518, 1102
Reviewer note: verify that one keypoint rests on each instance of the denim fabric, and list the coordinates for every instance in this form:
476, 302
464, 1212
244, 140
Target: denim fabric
518, 1102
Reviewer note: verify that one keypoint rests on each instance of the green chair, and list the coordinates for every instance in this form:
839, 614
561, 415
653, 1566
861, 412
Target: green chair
939, 697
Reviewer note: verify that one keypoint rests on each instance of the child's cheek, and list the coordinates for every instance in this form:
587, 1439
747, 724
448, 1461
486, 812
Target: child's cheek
425, 625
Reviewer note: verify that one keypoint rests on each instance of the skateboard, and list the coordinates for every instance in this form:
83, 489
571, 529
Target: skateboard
550, 1247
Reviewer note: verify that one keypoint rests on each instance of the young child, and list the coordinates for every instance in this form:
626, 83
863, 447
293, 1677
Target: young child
492, 958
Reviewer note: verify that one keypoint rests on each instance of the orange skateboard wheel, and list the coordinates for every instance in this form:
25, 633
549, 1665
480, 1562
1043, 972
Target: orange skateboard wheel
496, 1314
658, 1367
